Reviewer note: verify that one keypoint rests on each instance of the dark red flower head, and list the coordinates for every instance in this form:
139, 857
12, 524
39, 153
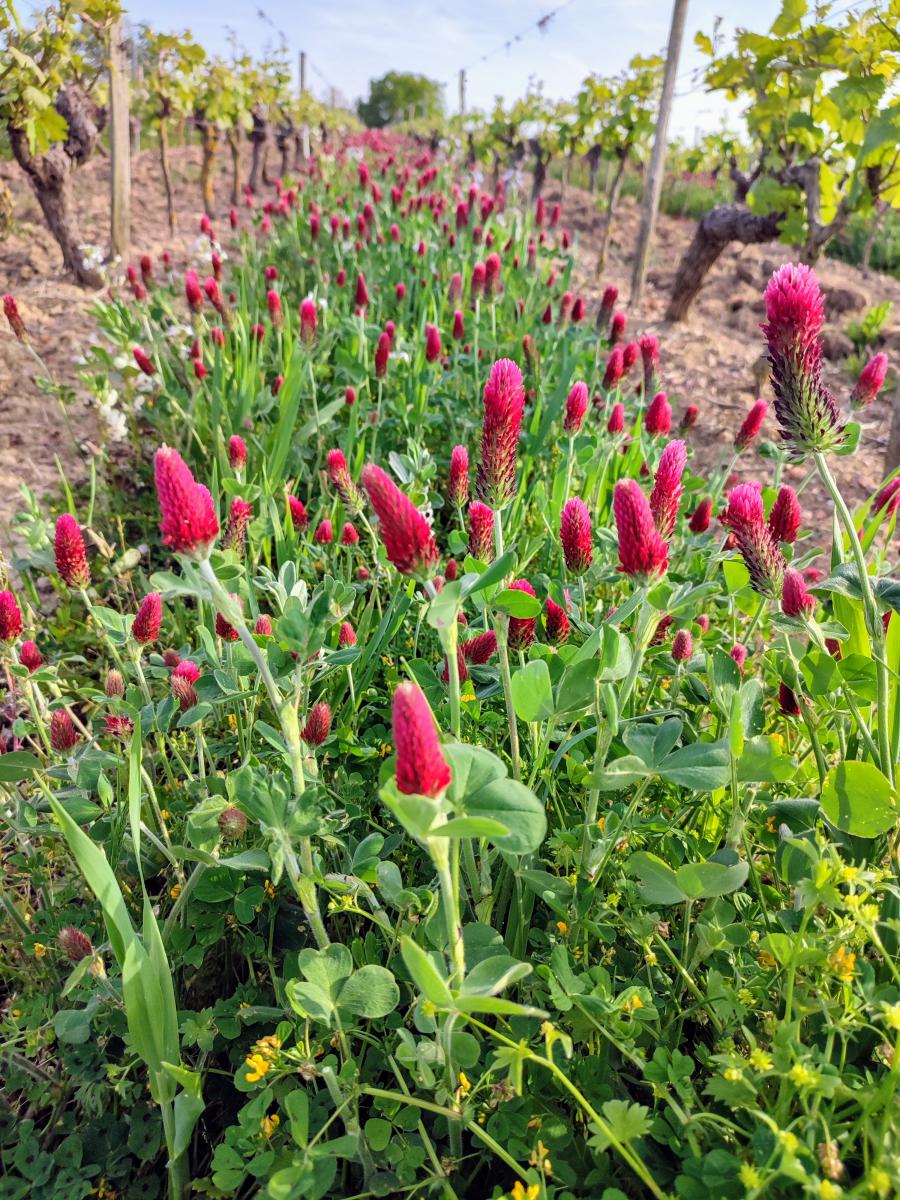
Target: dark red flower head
239, 514
347, 635
344, 484
615, 368
888, 498
689, 418
308, 321
71, 557
10, 617
700, 517
504, 405
189, 524
785, 517
522, 629
575, 535
481, 531
62, 732
751, 426
787, 701
642, 552
148, 619
318, 724
432, 343
649, 345
607, 304
192, 291
480, 649
382, 354
324, 533
617, 328
658, 418
407, 536
762, 558
795, 599
143, 361
263, 625
224, 629
362, 292
576, 407
421, 767
237, 452
11, 312
74, 944
556, 623
459, 476
29, 656
616, 422
297, 509
666, 494
479, 280
349, 535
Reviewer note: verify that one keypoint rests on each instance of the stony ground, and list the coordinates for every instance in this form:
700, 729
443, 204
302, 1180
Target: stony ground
711, 359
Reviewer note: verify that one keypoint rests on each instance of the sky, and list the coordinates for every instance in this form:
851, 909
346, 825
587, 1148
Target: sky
347, 44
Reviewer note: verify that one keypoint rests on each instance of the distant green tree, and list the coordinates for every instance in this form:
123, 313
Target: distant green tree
398, 96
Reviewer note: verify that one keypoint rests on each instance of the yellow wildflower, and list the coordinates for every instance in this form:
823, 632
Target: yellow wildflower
891, 1015
761, 1060
259, 1067
842, 962
269, 889
384, 749
734, 1074
164, 814
749, 1176
802, 1076
632, 1004
232, 722
766, 960
465, 1085
562, 927
175, 891
268, 1125
829, 1190
789, 1141
39, 949
520, 1192
849, 874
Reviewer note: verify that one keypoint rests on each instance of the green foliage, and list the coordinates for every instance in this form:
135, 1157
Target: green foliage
396, 96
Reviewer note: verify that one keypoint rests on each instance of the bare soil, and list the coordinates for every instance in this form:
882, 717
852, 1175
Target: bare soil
712, 359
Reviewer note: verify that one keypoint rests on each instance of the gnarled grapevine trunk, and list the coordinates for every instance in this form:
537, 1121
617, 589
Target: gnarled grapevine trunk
258, 136
612, 204
164, 163
50, 177
284, 136
593, 161
209, 134
234, 145
721, 225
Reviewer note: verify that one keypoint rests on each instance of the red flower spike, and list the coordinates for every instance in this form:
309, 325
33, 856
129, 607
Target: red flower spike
239, 515
29, 656
631, 352
649, 346
459, 476
421, 769
347, 635
556, 623
71, 557
318, 724
700, 518
74, 944
870, 382
785, 517
299, 517
795, 599
617, 328
787, 701
224, 630
11, 312
344, 485
432, 343
143, 361
237, 452
642, 552
62, 732
504, 406
666, 494
406, 535
888, 498
382, 354
263, 625
148, 619
481, 531
615, 368
324, 533
522, 629
308, 321
745, 518
682, 646
349, 536
189, 524
192, 291
751, 426
10, 617
575, 536
658, 417
689, 418
576, 407
616, 422
186, 669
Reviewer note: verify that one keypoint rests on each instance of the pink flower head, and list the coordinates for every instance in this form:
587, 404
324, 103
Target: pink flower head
459, 476
492, 266
71, 557
459, 326
615, 368
785, 517
214, 294
689, 418
795, 313
347, 635
349, 395
187, 669
745, 517
74, 944
349, 535
10, 617
666, 494
421, 768
143, 361
224, 629
739, 654
870, 382
308, 321
318, 724
237, 452
340, 476
658, 418
62, 731
189, 525
617, 328
480, 649
481, 531
297, 509
120, 727
556, 623
751, 426
795, 599
324, 533
607, 304
382, 354
263, 625
700, 517
148, 619
407, 536
575, 536
239, 514
521, 629
888, 498
616, 422
479, 279
11, 312
390, 329
649, 345
29, 656
576, 407
432, 343
361, 298
192, 291
504, 405
273, 303
682, 645
456, 286
642, 552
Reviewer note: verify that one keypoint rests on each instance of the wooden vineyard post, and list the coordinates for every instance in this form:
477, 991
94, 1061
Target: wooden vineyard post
462, 92
653, 185
304, 133
119, 144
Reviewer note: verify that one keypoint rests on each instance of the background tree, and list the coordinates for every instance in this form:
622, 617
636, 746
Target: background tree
49, 73
399, 95
824, 124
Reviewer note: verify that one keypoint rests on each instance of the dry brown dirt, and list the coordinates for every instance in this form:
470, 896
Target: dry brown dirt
708, 359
